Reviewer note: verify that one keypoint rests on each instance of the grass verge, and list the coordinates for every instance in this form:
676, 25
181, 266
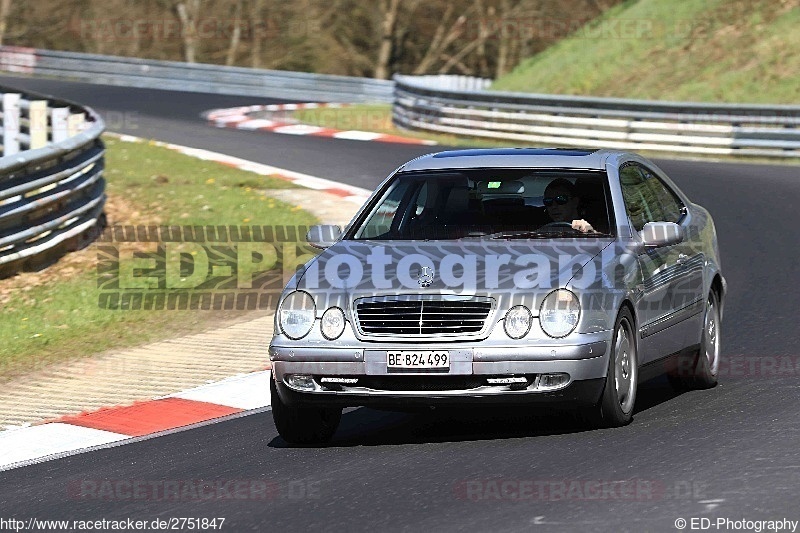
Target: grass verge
737, 51
376, 118
53, 314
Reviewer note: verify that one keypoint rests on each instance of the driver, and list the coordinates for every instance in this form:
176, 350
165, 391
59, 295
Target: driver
562, 204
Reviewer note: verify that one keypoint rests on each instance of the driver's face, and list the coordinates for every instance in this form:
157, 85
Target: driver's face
566, 212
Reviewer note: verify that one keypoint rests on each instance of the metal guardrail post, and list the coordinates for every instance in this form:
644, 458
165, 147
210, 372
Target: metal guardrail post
11, 123
60, 118
37, 128
75, 124
52, 191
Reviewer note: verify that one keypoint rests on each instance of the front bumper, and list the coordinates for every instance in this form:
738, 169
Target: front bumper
465, 382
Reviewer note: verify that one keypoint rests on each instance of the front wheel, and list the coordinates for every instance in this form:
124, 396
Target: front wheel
615, 407
303, 425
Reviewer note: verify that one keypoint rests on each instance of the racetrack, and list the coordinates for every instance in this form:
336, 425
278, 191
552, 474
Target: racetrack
727, 452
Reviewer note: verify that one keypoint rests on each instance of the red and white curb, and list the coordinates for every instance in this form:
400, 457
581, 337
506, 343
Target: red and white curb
116, 425
112, 426
239, 118
342, 190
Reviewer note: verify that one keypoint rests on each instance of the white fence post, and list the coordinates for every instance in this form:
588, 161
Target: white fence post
11, 118
37, 115
60, 118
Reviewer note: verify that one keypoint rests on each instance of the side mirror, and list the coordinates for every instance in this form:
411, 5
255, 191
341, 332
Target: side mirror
323, 236
656, 234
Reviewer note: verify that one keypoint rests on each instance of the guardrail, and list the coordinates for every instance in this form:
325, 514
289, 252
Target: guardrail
461, 105
52, 190
424, 103
194, 77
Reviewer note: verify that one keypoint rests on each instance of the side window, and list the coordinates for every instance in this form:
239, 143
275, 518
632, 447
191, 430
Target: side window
671, 206
633, 192
647, 199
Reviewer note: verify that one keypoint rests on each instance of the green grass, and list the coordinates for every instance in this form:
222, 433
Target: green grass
178, 189
740, 51
53, 315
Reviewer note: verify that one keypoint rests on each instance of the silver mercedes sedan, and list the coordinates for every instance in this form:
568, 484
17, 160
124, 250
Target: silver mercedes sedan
556, 277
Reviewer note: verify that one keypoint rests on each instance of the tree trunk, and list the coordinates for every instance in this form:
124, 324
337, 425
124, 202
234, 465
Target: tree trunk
236, 34
387, 35
5, 9
442, 39
257, 23
188, 12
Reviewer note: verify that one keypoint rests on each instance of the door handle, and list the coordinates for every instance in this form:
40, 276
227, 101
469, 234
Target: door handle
682, 258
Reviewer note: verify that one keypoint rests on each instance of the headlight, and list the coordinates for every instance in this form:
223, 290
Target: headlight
297, 314
517, 322
333, 323
559, 313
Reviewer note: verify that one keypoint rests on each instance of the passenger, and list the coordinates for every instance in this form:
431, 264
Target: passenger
563, 205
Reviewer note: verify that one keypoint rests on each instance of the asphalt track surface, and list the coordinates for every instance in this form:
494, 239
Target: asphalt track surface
729, 452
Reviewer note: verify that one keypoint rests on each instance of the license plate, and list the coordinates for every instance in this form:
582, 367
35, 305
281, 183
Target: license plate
421, 360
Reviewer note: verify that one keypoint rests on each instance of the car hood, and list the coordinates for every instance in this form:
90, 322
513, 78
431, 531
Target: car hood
507, 268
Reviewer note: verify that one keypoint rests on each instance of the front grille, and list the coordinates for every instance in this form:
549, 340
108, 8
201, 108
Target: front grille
422, 317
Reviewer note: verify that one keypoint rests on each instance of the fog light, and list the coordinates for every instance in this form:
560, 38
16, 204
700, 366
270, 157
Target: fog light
300, 381
552, 381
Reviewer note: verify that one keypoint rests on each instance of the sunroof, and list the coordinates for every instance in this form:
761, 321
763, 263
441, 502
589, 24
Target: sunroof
514, 151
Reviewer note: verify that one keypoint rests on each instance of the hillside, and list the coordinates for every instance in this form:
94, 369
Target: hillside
693, 50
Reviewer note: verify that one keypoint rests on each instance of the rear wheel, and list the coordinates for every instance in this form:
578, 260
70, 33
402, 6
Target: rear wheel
615, 407
700, 370
303, 425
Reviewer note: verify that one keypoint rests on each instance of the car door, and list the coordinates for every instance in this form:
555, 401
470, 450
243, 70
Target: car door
687, 293
663, 273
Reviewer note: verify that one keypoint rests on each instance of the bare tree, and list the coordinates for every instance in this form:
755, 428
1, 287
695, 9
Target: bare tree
389, 8
236, 34
448, 30
5, 9
189, 13
257, 24
351, 37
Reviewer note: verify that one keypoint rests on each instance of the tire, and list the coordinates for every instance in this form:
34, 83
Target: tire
616, 404
303, 425
700, 370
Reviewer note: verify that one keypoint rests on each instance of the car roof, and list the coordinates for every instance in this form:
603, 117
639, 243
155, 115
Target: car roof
513, 158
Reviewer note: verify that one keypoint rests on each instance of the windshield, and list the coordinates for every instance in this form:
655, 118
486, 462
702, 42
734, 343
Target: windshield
489, 203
